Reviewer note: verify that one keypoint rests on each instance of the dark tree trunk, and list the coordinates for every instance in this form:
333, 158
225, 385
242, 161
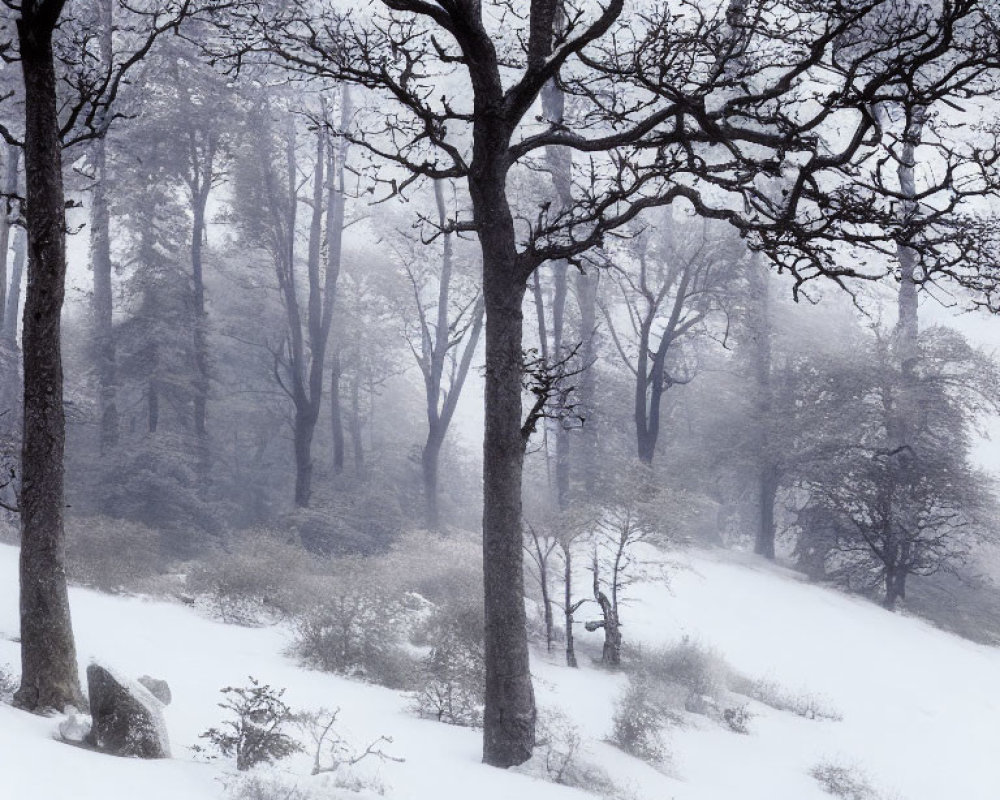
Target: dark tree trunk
152, 407
336, 416
569, 609
49, 677
611, 653
767, 484
304, 429
429, 458
895, 587
509, 720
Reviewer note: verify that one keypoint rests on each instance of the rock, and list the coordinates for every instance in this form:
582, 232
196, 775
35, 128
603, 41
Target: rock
160, 689
127, 717
75, 728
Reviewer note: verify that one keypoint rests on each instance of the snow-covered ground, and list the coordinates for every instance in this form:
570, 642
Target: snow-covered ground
919, 706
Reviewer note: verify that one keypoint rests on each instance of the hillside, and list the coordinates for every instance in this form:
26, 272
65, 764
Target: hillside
918, 705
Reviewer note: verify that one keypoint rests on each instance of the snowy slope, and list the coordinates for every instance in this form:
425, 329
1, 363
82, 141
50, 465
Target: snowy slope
918, 705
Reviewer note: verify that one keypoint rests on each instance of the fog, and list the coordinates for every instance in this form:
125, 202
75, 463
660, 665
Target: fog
440, 339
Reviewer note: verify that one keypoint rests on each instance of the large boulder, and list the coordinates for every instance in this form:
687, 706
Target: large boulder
127, 718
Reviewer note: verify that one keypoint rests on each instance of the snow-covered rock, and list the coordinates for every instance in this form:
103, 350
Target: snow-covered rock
158, 687
75, 728
127, 718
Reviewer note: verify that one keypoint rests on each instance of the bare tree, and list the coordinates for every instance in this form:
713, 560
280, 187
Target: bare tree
443, 344
271, 184
618, 532
48, 46
677, 281
540, 547
667, 107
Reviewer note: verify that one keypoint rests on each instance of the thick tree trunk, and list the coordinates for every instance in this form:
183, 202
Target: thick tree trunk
152, 407
767, 485
49, 677
509, 720
305, 427
895, 588
429, 459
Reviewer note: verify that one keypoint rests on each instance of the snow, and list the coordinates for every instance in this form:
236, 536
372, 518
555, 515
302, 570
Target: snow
918, 705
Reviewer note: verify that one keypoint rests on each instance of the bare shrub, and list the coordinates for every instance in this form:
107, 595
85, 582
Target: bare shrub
559, 749
254, 575
770, 693
8, 683
357, 629
331, 751
638, 723
112, 555
265, 787
846, 782
699, 669
683, 676
254, 730
442, 569
738, 718
453, 675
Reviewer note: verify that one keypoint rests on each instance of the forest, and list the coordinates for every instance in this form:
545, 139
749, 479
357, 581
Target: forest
433, 331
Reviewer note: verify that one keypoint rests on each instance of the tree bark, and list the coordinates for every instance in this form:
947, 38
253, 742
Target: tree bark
569, 609
198, 205
429, 458
586, 460
49, 677
509, 719
768, 475
611, 653
767, 486
903, 418
336, 416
